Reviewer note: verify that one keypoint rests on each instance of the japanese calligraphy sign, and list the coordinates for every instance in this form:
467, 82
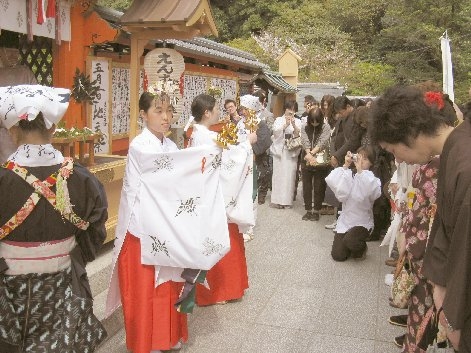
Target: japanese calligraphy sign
121, 98
197, 83
100, 111
166, 65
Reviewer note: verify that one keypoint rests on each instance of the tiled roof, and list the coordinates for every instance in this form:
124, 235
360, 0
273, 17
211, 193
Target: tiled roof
197, 45
275, 80
213, 49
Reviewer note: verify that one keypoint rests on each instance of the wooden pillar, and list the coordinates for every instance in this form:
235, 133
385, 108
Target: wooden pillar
137, 48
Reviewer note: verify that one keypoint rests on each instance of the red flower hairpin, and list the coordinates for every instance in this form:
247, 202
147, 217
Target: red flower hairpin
434, 98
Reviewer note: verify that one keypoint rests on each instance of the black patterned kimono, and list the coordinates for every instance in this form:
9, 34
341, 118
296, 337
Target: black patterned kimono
51, 312
447, 260
416, 226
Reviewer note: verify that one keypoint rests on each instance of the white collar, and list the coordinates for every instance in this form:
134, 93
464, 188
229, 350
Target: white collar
155, 140
200, 127
28, 155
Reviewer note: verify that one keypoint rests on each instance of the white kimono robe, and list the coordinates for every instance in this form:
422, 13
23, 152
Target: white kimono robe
236, 177
170, 202
284, 163
357, 193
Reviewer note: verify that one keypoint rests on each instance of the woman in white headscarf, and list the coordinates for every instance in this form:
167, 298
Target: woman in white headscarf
52, 223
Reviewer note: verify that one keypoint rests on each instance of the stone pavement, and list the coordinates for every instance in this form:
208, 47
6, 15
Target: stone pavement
299, 299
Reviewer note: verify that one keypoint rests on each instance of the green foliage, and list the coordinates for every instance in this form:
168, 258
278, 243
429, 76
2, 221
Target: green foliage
369, 79
360, 18
120, 5
83, 89
251, 46
366, 44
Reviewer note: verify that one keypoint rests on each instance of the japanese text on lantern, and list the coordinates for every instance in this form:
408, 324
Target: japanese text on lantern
164, 70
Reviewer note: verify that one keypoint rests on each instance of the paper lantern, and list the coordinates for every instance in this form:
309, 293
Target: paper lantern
163, 69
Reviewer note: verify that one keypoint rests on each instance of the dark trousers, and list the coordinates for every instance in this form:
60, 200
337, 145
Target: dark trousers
296, 181
262, 161
381, 216
314, 180
351, 243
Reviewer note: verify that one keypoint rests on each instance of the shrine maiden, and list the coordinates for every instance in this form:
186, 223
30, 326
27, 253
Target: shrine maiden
163, 202
151, 321
228, 279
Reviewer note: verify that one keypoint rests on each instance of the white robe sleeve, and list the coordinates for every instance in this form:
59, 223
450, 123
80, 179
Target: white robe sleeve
340, 180
367, 186
278, 137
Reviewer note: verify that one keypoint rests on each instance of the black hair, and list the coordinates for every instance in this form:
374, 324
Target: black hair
314, 115
329, 113
293, 105
401, 114
262, 96
227, 101
340, 103
145, 101
448, 111
357, 102
38, 125
369, 152
360, 115
200, 104
310, 99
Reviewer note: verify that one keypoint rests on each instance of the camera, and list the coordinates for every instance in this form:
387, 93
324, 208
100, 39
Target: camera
288, 136
355, 157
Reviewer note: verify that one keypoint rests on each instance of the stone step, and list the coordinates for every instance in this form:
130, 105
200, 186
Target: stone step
113, 323
99, 270
115, 344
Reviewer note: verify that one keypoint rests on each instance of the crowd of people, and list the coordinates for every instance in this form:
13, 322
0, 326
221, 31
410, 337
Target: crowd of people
394, 169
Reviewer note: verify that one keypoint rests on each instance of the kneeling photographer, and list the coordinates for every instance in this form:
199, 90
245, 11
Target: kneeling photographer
357, 192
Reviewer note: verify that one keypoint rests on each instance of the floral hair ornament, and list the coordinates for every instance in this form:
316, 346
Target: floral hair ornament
165, 88
434, 99
24, 102
216, 92
252, 105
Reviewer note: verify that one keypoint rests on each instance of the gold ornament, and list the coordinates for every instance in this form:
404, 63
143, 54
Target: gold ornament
251, 122
227, 136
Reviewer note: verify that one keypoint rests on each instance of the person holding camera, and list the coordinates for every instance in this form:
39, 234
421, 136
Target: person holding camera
285, 158
357, 192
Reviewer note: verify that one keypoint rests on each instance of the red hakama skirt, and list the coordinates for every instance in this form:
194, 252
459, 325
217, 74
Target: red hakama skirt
228, 278
150, 318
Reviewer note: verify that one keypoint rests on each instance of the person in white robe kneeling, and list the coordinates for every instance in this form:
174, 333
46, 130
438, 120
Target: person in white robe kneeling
357, 193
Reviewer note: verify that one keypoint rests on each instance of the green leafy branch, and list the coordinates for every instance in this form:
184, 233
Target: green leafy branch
83, 89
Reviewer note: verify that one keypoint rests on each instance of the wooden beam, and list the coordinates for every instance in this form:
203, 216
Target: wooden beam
137, 47
203, 15
165, 34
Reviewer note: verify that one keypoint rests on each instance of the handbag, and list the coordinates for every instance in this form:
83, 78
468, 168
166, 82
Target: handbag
403, 283
427, 335
293, 143
322, 157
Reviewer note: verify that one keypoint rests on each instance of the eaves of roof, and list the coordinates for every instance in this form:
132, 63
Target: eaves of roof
216, 51
197, 45
276, 80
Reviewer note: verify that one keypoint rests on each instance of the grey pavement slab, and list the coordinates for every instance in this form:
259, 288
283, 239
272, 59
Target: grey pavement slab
299, 299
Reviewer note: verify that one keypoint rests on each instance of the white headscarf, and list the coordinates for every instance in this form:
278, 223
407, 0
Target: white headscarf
26, 101
251, 102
